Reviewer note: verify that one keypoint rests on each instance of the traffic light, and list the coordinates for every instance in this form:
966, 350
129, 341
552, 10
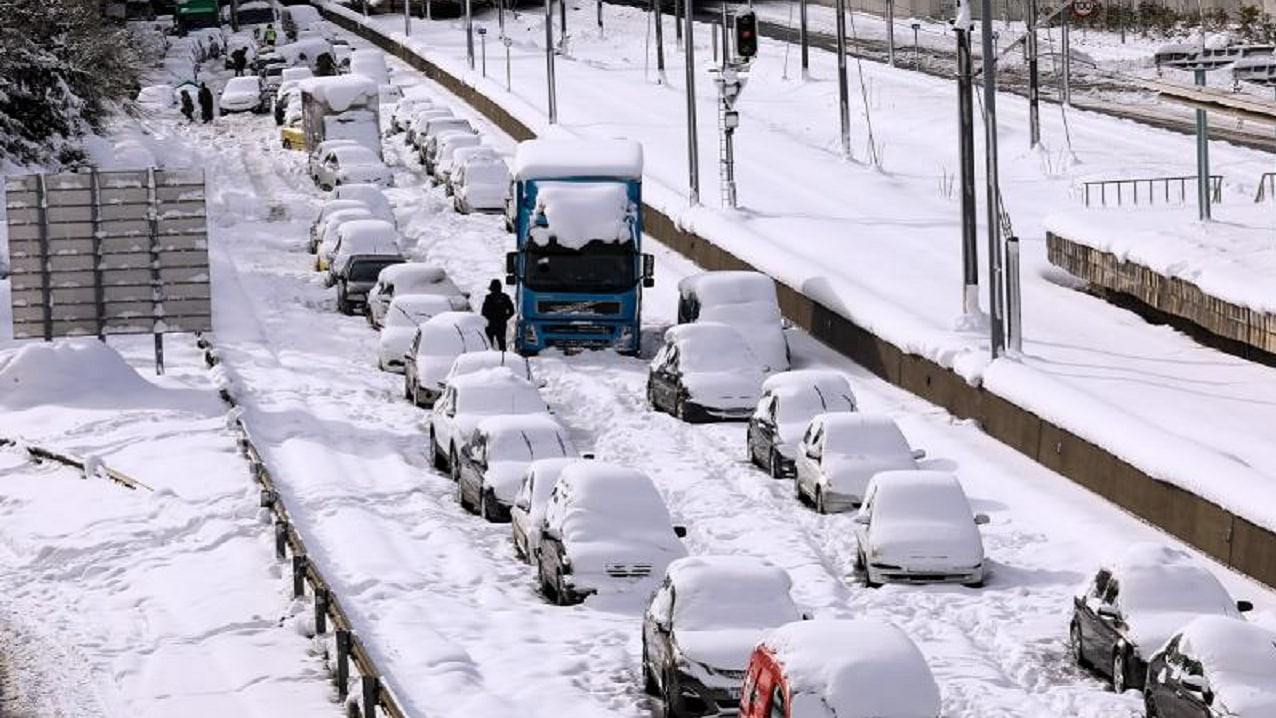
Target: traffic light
746, 35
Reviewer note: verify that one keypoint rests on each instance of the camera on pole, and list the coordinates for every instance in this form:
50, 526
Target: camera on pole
746, 35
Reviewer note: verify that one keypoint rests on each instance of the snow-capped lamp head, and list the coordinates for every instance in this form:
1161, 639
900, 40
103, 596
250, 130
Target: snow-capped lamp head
962, 20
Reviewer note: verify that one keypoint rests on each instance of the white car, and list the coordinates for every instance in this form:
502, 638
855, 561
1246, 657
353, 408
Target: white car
1214, 667
319, 151
403, 110
702, 625
839, 453
494, 456
705, 372
436, 344
327, 232
789, 401
411, 278
605, 529
460, 157
350, 164
917, 527
446, 146
419, 118
746, 301
479, 183
243, 94
406, 313
371, 195
470, 362
856, 668
539, 478
361, 236
156, 97
329, 208
371, 64
427, 137
470, 399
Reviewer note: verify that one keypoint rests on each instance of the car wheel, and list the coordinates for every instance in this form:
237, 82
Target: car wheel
1078, 650
343, 303
651, 397
407, 391
487, 507
453, 465
668, 689
1118, 671
436, 456
797, 491
460, 497
820, 508
287, 144
680, 408
547, 587
416, 394
1149, 705
649, 684
775, 466
862, 567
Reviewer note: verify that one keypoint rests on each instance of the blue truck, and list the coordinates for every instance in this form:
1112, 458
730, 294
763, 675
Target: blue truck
578, 267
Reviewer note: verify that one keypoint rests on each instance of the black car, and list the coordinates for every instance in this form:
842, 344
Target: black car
1133, 606
1213, 667
705, 372
357, 276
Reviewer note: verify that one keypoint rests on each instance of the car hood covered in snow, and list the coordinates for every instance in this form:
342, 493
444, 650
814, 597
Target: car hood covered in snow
720, 650
505, 478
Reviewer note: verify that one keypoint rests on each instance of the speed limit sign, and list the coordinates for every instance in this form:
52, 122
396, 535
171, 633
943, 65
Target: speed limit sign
1084, 8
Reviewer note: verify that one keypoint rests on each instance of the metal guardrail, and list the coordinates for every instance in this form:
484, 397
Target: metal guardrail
349, 648
1124, 189
1268, 178
39, 454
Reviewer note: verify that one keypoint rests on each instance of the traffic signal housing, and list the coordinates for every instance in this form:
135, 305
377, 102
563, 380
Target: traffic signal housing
746, 35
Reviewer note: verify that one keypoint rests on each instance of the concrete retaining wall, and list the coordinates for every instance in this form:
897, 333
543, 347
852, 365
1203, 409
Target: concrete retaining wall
1230, 539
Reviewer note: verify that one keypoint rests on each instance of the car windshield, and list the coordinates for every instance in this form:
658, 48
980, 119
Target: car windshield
703, 355
411, 314
800, 407
367, 270
527, 445
242, 84
1173, 588
601, 267
501, 398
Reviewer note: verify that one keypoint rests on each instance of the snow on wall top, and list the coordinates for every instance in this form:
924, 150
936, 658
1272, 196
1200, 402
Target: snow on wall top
577, 214
561, 159
341, 92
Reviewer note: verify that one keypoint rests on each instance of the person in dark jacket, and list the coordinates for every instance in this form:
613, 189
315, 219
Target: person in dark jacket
205, 103
188, 106
239, 59
497, 310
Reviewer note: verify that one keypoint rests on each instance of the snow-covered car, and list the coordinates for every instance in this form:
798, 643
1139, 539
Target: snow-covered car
462, 155
361, 236
403, 110
285, 96
356, 273
539, 478
1214, 667
511, 206
605, 529
1135, 603
243, 94
437, 343
418, 119
479, 183
156, 97
411, 278
840, 452
351, 163
856, 668
470, 399
702, 625
445, 147
371, 195
406, 313
746, 301
295, 18
471, 362
789, 401
427, 137
324, 232
705, 372
917, 527
492, 460
328, 209
370, 63
321, 150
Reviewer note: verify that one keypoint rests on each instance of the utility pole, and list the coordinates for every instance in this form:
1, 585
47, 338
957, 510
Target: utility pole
843, 92
677, 21
1034, 81
693, 146
469, 34
562, 29
966, 145
1202, 156
890, 32
802, 38
996, 305
407, 18
660, 38
549, 61
1067, 59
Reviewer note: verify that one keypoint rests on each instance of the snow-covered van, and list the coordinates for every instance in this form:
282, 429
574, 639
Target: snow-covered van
342, 107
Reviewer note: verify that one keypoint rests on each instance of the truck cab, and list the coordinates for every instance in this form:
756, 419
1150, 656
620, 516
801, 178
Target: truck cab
578, 267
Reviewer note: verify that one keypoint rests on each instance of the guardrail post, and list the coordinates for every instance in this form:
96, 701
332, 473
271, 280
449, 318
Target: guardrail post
321, 611
371, 695
298, 575
343, 663
267, 498
281, 539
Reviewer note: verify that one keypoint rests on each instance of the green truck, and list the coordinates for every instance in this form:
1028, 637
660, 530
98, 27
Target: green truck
196, 14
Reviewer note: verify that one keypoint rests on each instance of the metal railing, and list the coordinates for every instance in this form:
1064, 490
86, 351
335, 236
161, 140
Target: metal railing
1268, 178
89, 468
1148, 189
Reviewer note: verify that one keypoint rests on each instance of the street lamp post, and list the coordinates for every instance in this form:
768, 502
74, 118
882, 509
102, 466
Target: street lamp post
482, 33
469, 33
549, 61
693, 148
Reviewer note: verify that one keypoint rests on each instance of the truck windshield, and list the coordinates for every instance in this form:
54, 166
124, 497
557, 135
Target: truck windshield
598, 267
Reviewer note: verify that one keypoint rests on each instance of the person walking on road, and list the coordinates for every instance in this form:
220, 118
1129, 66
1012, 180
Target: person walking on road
497, 310
188, 106
270, 35
239, 58
205, 103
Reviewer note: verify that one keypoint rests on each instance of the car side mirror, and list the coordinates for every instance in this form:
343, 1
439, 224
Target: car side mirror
981, 519
680, 531
451, 412
587, 455
1244, 606
511, 265
523, 505
1197, 684
861, 518
812, 453
919, 454
808, 616
785, 323
1109, 612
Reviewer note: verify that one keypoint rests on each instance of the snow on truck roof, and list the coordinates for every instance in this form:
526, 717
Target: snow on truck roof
341, 92
577, 214
857, 668
562, 159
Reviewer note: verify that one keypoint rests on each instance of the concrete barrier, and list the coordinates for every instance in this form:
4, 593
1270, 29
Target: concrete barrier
1229, 539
